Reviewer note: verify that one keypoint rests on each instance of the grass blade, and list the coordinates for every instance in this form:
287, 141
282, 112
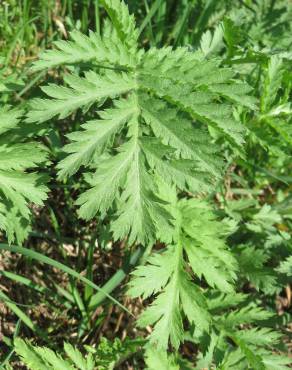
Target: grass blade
49, 261
115, 280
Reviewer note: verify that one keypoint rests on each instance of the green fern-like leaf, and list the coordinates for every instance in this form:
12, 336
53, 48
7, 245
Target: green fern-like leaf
156, 359
200, 236
163, 102
43, 358
251, 345
106, 356
286, 266
252, 266
18, 187
274, 128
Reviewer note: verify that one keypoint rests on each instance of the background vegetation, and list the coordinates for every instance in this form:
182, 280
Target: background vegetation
49, 287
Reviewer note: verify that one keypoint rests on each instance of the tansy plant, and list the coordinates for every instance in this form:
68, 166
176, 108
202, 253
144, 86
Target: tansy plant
150, 155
